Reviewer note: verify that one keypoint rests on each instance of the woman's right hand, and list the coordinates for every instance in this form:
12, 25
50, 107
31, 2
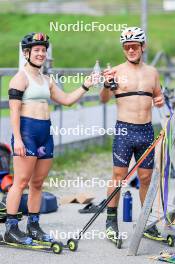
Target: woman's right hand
92, 79
19, 147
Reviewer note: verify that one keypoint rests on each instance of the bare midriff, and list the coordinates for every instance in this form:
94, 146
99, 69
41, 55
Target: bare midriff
136, 109
37, 110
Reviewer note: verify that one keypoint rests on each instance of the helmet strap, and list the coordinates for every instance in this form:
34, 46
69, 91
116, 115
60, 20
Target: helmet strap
31, 63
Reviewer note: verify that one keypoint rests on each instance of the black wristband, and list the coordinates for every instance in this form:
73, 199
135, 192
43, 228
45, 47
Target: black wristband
107, 86
85, 88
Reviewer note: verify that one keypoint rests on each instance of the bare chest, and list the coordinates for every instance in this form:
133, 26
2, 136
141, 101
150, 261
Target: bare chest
135, 81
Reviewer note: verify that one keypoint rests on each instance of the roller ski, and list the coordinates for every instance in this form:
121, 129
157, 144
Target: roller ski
39, 237
56, 247
112, 232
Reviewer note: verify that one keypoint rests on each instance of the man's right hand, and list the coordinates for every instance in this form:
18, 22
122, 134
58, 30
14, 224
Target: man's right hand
19, 148
109, 74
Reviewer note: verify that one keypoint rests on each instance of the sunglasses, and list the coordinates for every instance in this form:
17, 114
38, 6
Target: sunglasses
40, 37
134, 47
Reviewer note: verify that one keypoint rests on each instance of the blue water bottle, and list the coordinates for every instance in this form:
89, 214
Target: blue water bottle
127, 207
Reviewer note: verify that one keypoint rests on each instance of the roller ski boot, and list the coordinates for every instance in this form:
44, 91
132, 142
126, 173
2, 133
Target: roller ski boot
112, 231
153, 234
36, 233
14, 235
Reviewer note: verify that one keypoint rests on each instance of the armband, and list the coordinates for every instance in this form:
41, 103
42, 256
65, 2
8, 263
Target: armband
85, 88
15, 94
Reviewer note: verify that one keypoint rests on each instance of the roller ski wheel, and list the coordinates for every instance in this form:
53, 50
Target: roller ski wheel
170, 240
72, 244
57, 247
119, 243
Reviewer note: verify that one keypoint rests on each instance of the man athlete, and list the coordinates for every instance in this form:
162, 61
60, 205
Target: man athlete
134, 97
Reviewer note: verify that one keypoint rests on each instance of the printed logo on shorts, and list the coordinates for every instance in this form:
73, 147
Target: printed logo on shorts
41, 151
120, 159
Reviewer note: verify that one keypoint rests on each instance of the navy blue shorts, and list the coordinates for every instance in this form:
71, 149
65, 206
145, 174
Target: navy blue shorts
36, 137
132, 139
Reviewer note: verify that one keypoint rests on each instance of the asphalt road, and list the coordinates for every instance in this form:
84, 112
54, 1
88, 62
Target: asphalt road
92, 250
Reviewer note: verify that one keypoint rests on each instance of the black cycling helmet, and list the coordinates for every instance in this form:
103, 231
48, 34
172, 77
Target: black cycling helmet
33, 39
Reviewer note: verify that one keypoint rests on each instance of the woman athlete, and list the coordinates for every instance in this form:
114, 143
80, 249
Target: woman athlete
32, 143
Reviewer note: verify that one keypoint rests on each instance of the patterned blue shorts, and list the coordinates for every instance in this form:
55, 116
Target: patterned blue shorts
36, 137
132, 139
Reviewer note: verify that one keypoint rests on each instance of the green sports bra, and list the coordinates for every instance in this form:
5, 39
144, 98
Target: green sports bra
35, 91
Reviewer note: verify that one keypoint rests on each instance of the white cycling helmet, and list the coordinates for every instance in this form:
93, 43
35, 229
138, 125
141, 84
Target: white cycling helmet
133, 34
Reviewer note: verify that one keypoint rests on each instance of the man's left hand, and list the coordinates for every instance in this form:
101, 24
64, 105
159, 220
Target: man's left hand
158, 101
